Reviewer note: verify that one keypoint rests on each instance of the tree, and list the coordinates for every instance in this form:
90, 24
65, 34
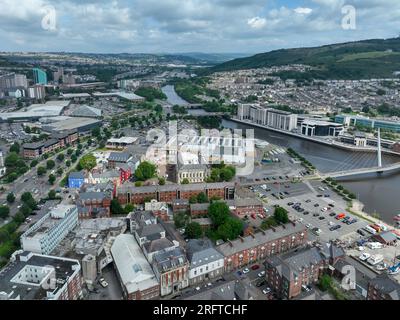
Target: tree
61, 157
74, 158
185, 181
230, 229
116, 207
218, 212
181, 219
161, 181
34, 163
88, 162
15, 147
26, 210
11, 198
60, 171
41, 171
193, 230
52, 194
11, 160
50, 164
26, 196
70, 151
4, 212
193, 199
202, 198
145, 171
96, 132
129, 208
52, 179
138, 183
4, 235
281, 215
68, 163
28, 200
325, 282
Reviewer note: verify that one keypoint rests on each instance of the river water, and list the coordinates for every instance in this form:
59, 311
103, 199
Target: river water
172, 96
380, 194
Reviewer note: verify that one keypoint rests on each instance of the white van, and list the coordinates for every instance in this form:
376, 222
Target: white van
374, 260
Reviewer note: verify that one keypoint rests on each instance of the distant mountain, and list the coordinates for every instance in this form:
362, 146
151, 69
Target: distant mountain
375, 58
214, 57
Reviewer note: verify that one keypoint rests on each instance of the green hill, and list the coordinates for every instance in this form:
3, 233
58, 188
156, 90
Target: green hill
375, 58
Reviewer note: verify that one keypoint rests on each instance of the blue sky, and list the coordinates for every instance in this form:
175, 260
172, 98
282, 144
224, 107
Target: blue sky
249, 26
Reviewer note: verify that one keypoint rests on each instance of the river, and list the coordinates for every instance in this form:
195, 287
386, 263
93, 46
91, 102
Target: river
380, 194
172, 96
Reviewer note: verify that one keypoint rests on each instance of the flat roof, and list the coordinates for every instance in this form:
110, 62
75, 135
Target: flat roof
72, 123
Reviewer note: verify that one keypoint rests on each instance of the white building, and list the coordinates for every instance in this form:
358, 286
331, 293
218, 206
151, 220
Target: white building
137, 278
49, 231
268, 117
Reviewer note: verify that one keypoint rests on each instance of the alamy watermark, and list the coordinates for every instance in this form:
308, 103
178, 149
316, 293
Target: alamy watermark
349, 20
49, 20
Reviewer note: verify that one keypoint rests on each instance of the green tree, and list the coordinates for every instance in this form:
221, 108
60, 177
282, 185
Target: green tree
230, 229
11, 160
129, 208
15, 147
88, 162
11, 198
60, 157
60, 171
52, 179
41, 171
34, 163
116, 207
193, 230
138, 183
50, 164
218, 212
181, 219
281, 215
325, 282
193, 199
202, 198
4, 212
68, 163
161, 181
185, 181
52, 194
145, 171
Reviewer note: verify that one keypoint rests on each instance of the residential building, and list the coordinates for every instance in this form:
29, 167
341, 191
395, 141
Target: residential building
383, 287
13, 80
268, 117
94, 204
246, 206
36, 92
286, 274
199, 209
159, 209
128, 193
117, 158
32, 276
149, 232
50, 230
180, 205
139, 218
248, 250
134, 272
205, 262
151, 248
229, 291
171, 269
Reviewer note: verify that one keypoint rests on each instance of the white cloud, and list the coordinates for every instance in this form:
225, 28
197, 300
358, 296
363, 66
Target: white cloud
257, 22
301, 10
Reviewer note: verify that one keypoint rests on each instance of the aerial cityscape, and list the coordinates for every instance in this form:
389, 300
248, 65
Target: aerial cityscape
199, 150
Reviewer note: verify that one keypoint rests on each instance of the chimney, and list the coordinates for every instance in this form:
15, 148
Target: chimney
241, 239
230, 243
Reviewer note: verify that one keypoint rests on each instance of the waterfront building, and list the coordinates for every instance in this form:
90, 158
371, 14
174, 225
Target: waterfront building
321, 128
269, 117
350, 120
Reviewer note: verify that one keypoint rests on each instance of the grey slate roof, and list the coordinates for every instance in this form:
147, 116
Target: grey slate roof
201, 252
158, 245
386, 284
76, 175
119, 156
169, 259
151, 231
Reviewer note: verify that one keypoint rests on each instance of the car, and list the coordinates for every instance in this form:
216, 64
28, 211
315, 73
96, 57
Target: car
260, 283
331, 205
239, 273
321, 218
290, 204
361, 232
316, 205
261, 274
103, 283
306, 213
364, 256
209, 284
319, 195
266, 290
253, 216
246, 270
316, 215
198, 289
308, 201
331, 224
308, 226
255, 267
332, 214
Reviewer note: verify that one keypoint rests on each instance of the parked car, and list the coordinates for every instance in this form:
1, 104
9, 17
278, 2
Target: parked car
246, 270
261, 274
255, 267
266, 290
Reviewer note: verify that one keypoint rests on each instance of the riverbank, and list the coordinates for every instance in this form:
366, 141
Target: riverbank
330, 143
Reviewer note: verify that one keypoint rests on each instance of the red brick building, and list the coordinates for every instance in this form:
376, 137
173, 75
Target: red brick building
383, 287
256, 247
249, 206
171, 192
199, 209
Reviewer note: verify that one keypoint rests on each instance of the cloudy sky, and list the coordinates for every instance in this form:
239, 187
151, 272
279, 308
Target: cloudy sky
155, 26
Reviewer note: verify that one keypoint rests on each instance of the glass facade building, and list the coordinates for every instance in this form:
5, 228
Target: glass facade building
367, 122
39, 76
